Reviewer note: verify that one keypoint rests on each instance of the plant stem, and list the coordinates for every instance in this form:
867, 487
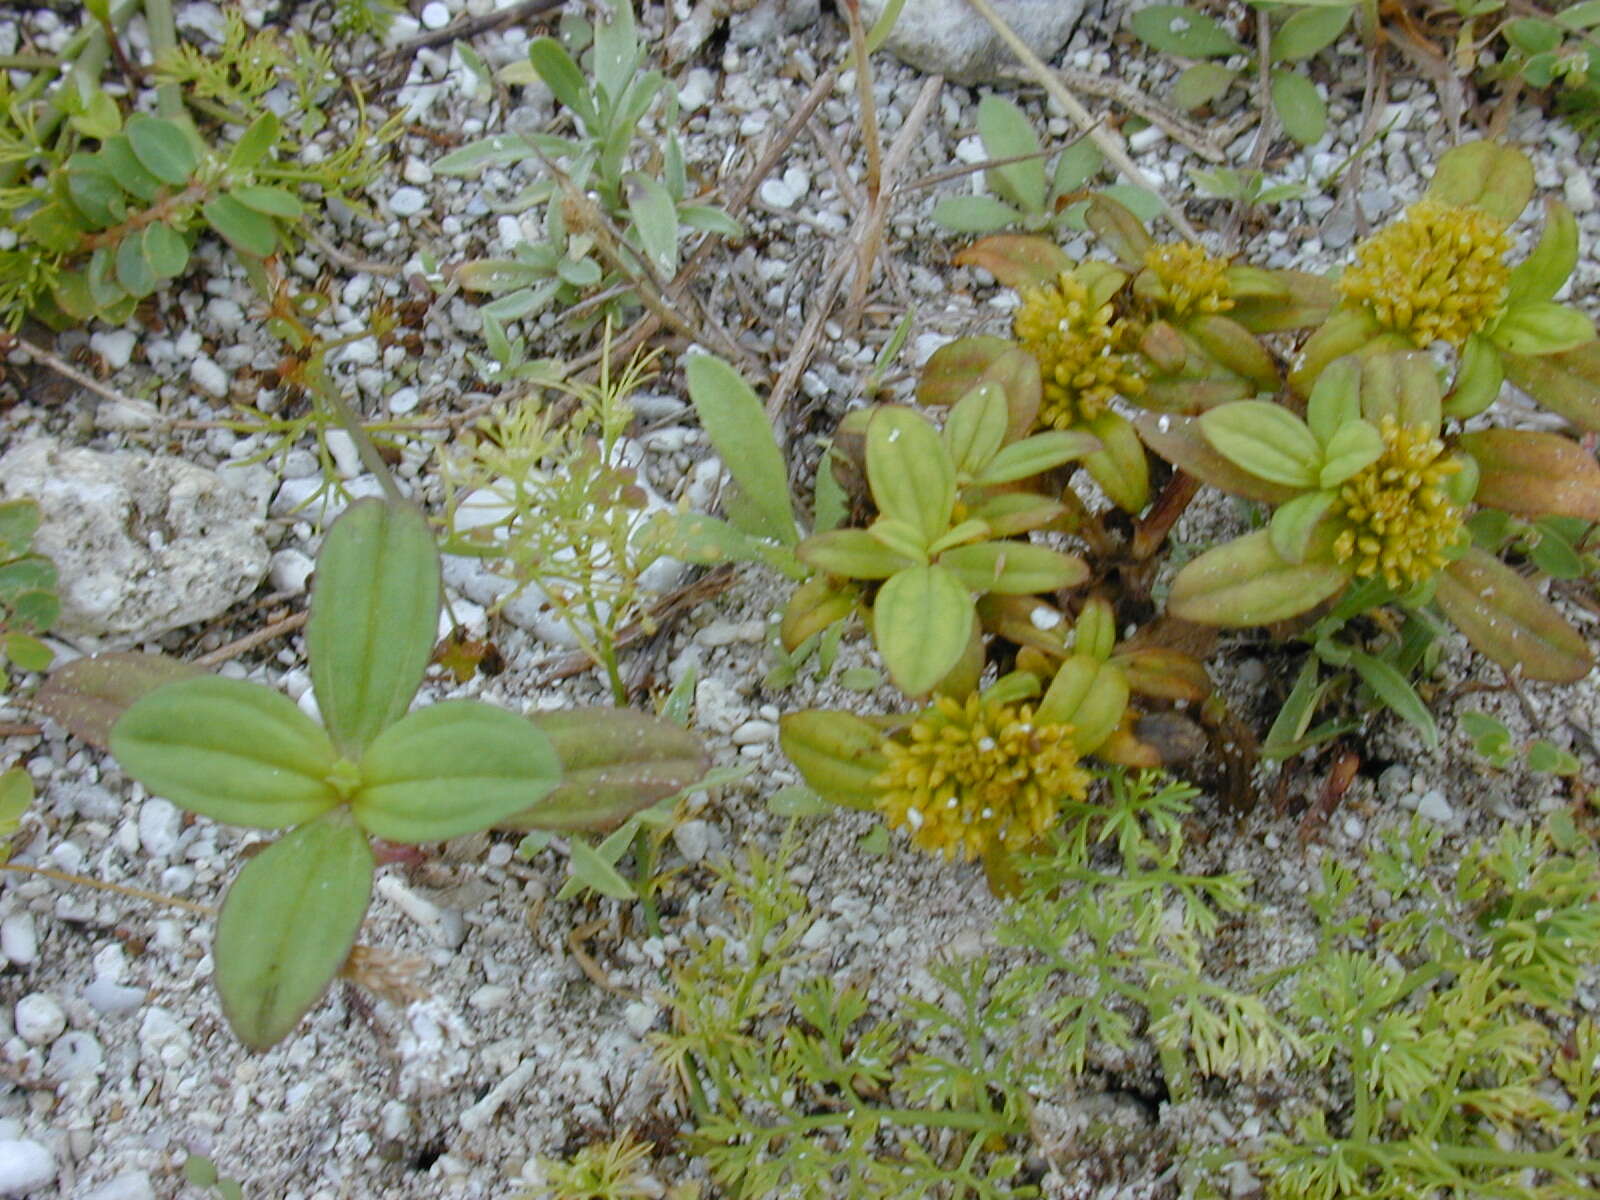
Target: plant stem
203, 910
164, 41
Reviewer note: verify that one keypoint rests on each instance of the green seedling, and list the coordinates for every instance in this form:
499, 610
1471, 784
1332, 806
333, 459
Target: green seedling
199, 1171
640, 186
1295, 36
1251, 188
1492, 741
947, 531
1025, 194
243, 754
16, 797
29, 604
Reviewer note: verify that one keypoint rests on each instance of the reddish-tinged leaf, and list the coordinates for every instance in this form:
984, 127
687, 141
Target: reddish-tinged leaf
1018, 260
87, 695
838, 753
1535, 474
1567, 384
1245, 582
1506, 620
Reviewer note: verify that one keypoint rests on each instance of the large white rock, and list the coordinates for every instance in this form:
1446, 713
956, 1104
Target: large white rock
949, 38
144, 543
25, 1166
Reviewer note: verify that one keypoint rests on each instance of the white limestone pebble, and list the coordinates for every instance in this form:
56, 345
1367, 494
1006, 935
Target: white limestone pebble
130, 1185
407, 201
208, 377
693, 839
289, 571
435, 15
1434, 806
74, 1056
25, 1166
40, 1019
111, 999
160, 826
19, 939
115, 346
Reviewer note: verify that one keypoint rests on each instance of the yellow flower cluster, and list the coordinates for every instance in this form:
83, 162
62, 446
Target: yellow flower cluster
1437, 274
1192, 280
978, 777
1083, 352
1400, 520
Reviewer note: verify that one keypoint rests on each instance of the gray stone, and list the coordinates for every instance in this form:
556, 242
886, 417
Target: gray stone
768, 19
130, 1185
949, 38
144, 544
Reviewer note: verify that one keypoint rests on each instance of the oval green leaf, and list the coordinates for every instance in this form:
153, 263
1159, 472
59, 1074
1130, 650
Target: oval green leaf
243, 228
1246, 582
921, 621
1007, 133
909, 471
737, 424
837, 753
1174, 29
162, 148
451, 769
374, 617
1507, 621
1266, 440
287, 926
1013, 568
229, 750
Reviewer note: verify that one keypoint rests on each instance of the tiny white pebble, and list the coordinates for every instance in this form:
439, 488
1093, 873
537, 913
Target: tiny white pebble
40, 1019
407, 201
435, 15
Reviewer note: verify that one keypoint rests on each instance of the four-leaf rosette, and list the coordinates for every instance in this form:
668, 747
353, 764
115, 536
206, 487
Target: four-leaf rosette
948, 529
1365, 490
243, 754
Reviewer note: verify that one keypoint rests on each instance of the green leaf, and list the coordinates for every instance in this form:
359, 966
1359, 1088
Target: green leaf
709, 219
1294, 524
1037, 454
1541, 274
921, 621
1266, 440
565, 81
1076, 166
1555, 556
1353, 447
287, 926
244, 229
853, 554
1568, 384
162, 147
254, 144
1246, 582
1299, 107
1201, 84
1309, 30
976, 427
1480, 373
1534, 474
501, 150
1089, 694
1551, 759
1119, 466
233, 751
1506, 620
1335, 399
615, 59
909, 471
19, 521
655, 219
451, 769
1006, 133
1487, 175
498, 275
1174, 29
837, 753
117, 156
133, 270
737, 424
1397, 694
28, 653
975, 214
269, 201
614, 762
165, 251
31, 573
1538, 327
590, 869
374, 619
1013, 568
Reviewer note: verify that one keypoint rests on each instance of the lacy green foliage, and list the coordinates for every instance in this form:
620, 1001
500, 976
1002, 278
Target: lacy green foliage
1448, 1031
1116, 950
1556, 51
609, 1170
541, 491
29, 604
355, 17
106, 209
799, 1085
627, 234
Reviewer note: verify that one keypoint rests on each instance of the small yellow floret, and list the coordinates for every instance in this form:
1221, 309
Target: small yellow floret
1399, 519
978, 777
1083, 352
1437, 274
1192, 280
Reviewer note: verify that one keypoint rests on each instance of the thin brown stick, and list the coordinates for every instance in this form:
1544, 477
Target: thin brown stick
204, 910
1110, 146
251, 640
1176, 127
63, 368
20, 729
